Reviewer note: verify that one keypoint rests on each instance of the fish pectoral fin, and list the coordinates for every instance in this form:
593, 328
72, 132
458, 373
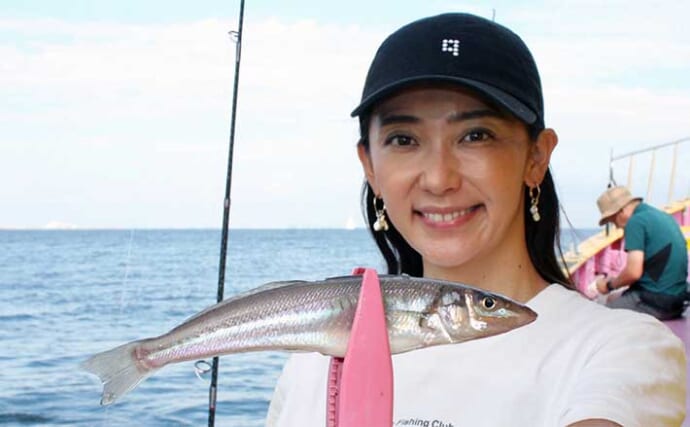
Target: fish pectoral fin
431, 324
429, 321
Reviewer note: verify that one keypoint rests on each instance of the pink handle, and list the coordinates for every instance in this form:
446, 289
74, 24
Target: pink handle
360, 386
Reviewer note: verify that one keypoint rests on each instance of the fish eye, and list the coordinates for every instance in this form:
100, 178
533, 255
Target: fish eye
488, 303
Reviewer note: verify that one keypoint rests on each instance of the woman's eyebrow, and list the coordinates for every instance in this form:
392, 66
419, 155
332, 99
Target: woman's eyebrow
388, 119
474, 114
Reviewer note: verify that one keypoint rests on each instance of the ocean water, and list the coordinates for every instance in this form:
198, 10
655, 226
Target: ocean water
65, 295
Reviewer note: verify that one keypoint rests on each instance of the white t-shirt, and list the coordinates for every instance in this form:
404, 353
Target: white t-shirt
578, 360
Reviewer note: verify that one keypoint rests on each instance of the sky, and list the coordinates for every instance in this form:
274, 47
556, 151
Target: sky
116, 114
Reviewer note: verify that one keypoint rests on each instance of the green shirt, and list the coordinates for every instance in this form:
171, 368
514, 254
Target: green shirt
657, 234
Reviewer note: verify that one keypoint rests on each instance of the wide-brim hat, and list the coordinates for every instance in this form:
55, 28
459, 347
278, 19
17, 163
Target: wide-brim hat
613, 200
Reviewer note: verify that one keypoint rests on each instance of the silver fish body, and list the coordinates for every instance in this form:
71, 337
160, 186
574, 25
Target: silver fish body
313, 316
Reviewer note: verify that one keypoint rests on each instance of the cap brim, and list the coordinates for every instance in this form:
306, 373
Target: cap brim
503, 99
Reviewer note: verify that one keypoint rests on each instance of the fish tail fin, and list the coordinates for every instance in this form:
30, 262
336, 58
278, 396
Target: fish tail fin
118, 369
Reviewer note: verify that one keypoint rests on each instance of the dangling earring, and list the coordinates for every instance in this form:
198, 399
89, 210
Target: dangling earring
380, 224
534, 201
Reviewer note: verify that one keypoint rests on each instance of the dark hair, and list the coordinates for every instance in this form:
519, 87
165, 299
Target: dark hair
542, 237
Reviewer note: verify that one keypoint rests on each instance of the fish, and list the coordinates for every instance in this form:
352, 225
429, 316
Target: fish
312, 316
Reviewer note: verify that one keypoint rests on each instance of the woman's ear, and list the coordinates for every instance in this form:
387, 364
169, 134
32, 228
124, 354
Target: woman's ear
368, 168
539, 157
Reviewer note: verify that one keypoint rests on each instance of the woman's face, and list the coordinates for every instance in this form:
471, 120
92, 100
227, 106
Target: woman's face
451, 171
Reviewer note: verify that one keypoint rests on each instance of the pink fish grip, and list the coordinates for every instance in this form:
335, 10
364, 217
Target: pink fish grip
360, 385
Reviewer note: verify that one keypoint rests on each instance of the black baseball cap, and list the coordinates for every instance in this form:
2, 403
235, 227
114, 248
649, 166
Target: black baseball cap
460, 48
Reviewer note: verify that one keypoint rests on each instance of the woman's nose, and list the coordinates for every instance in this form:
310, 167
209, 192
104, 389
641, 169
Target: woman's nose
440, 171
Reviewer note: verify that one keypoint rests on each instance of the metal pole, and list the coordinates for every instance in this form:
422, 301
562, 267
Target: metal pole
650, 178
631, 164
213, 389
673, 174
607, 227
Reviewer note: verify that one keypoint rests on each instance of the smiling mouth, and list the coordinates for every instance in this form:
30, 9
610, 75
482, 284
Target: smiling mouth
439, 218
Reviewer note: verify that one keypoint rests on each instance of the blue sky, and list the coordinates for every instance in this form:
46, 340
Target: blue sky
115, 114
160, 11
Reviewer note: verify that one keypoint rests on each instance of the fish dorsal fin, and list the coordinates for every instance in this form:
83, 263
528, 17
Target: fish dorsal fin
262, 288
273, 286
382, 277
342, 278
266, 287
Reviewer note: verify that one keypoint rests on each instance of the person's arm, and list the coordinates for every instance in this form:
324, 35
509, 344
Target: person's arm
634, 267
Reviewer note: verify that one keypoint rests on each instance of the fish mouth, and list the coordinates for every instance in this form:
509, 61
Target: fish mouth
445, 216
523, 317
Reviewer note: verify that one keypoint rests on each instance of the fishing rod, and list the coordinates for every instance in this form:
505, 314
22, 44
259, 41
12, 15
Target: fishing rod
237, 38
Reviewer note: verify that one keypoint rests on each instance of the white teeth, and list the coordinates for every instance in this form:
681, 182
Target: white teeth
438, 217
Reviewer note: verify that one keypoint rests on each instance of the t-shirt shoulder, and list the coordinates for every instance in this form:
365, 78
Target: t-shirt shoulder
637, 352
635, 231
561, 305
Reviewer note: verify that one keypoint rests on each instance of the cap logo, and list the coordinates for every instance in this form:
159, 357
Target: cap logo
451, 46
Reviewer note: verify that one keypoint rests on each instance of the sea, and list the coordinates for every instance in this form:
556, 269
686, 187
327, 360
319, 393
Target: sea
67, 294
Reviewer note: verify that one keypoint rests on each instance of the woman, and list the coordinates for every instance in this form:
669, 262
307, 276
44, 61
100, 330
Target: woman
456, 156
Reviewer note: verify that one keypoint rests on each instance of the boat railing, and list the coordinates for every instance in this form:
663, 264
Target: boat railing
672, 146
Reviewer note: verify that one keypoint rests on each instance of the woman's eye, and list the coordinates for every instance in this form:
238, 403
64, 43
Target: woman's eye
400, 140
476, 136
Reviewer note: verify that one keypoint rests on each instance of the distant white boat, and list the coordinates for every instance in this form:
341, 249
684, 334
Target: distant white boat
350, 224
58, 225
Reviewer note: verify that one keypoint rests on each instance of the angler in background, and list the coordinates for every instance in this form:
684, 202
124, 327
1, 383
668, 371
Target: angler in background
656, 267
456, 156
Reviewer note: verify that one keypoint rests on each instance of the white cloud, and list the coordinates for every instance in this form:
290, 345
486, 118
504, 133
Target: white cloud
127, 125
